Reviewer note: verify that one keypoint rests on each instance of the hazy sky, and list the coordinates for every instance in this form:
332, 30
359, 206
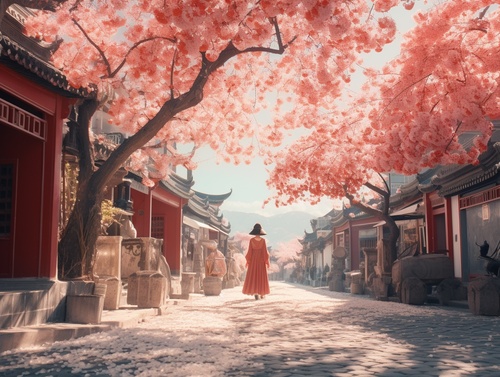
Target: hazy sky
248, 182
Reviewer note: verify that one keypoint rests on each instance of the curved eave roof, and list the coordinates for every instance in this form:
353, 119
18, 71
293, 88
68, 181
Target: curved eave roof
456, 179
414, 189
215, 199
309, 237
38, 70
349, 214
169, 184
181, 181
172, 184
198, 208
226, 228
28, 56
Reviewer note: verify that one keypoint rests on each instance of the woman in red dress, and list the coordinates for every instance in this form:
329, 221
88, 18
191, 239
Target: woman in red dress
256, 280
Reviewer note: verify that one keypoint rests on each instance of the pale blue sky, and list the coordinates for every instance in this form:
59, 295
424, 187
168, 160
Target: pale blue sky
248, 184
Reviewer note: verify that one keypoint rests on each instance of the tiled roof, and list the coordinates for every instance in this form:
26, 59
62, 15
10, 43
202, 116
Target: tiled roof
29, 57
215, 199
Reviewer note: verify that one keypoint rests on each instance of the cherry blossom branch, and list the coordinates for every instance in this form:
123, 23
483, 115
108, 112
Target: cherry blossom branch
172, 74
383, 214
136, 45
87, 37
364, 207
370, 13
377, 189
385, 183
459, 123
407, 88
281, 47
124, 60
483, 13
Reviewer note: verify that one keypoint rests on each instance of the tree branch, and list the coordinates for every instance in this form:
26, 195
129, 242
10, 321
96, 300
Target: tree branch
134, 46
406, 88
172, 74
459, 123
378, 190
106, 62
103, 56
483, 13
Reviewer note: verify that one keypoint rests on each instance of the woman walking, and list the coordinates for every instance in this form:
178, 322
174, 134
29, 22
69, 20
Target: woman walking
256, 280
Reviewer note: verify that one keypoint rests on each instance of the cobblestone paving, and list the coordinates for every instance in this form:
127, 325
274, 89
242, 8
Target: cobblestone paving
295, 331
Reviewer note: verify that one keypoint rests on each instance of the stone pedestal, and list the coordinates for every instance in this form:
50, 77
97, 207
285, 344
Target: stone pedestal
357, 283
198, 281
187, 283
336, 284
370, 262
484, 296
108, 256
140, 254
413, 291
113, 291
85, 308
380, 287
450, 290
147, 289
337, 272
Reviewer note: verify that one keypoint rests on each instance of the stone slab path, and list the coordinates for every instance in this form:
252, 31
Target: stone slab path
295, 331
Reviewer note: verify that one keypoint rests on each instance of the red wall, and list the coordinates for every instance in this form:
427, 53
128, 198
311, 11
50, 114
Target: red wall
163, 204
142, 213
22, 259
32, 250
171, 231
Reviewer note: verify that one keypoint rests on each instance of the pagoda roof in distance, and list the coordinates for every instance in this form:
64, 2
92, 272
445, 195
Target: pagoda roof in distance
213, 199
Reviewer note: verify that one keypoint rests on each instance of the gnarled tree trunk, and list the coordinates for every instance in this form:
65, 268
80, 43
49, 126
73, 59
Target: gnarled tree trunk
75, 249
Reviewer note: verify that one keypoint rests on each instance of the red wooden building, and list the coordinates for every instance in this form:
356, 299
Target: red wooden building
34, 101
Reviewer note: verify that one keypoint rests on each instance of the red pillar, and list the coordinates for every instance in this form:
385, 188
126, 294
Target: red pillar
429, 223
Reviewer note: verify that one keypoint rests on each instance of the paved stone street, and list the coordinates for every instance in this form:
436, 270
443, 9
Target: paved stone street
295, 331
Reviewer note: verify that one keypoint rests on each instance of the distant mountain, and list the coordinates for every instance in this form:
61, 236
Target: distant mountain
279, 228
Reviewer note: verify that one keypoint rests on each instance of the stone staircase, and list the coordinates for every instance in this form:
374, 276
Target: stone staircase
28, 302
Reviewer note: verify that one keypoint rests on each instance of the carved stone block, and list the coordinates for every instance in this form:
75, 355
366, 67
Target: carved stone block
413, 291
113, 291
84, 308
147, 289
484, 296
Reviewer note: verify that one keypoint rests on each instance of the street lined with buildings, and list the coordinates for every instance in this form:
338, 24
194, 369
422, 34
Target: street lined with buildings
295, 331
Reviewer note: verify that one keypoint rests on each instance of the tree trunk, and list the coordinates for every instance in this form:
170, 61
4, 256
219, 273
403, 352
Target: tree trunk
382, 214
393, 239
75, 249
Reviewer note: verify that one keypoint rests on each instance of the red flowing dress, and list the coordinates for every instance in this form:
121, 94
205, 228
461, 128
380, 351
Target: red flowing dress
256, 280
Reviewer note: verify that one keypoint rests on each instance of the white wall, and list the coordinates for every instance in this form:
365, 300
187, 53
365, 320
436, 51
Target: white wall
457, 250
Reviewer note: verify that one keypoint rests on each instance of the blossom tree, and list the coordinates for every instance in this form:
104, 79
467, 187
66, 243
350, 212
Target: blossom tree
198, 71
242, 241
286, 254
411, 113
